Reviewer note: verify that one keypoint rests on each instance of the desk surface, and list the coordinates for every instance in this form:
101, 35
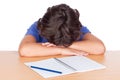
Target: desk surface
12, 68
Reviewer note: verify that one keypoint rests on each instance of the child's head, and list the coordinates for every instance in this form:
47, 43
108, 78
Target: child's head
60, 25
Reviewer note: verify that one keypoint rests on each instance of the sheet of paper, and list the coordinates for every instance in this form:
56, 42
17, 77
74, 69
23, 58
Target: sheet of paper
80, 63
49, 64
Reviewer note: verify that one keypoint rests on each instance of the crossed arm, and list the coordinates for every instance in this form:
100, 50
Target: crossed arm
89, 45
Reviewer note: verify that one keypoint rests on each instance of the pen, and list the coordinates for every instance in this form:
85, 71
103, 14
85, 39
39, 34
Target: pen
50, 70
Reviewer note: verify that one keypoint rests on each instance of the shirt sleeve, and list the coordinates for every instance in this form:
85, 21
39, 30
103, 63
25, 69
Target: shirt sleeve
84, 30
33, 31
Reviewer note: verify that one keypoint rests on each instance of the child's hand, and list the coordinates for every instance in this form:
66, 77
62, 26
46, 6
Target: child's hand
47, 44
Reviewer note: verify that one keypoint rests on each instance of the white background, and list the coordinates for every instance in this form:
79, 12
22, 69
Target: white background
102, 17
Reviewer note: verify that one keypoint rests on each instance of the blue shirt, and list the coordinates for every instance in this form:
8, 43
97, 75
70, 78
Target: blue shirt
35, 32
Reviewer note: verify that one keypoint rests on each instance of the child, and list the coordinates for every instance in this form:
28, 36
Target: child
59, 31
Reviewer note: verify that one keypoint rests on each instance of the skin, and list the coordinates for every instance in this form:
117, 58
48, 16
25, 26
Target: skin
89, 45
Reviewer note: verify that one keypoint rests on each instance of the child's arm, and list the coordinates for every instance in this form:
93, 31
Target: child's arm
89, 44
30, 48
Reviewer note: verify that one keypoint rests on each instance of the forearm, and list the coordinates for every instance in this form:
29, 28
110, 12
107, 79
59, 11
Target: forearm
89, 46
35, 49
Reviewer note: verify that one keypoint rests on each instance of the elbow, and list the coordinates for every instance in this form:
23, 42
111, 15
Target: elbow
23, 52
100, 49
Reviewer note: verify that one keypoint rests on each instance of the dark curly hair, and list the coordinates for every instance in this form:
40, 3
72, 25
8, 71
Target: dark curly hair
60, 25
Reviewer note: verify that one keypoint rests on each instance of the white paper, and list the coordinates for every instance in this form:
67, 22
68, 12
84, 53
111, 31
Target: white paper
80, 63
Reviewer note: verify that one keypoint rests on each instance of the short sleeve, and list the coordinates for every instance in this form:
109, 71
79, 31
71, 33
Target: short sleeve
84, 30
33, 31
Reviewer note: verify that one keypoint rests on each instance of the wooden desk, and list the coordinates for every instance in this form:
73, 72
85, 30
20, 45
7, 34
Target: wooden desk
12, 68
